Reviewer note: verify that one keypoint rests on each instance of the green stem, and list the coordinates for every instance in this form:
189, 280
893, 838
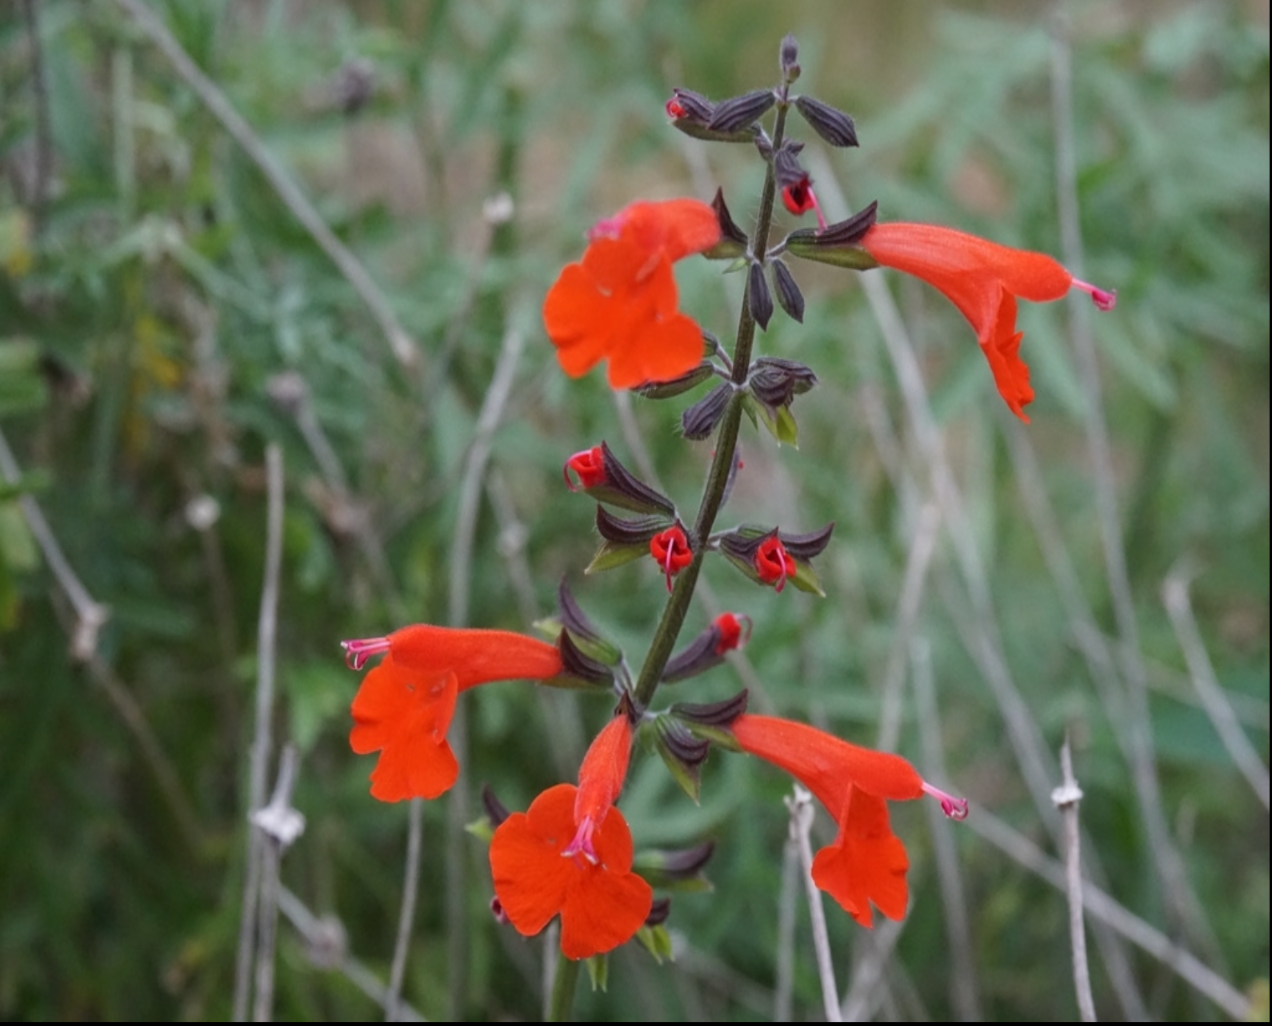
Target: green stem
677, 606
565, 980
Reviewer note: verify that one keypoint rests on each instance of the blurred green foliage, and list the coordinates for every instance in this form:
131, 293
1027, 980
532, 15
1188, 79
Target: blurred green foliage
164, 317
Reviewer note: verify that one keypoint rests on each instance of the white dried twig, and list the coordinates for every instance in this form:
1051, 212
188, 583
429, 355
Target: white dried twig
801, 824
1066, 797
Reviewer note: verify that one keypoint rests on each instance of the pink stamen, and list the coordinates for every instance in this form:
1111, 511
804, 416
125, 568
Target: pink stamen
821, 218
582, 843
357, 652
671, 548
954, 808
606, 228
1103, 300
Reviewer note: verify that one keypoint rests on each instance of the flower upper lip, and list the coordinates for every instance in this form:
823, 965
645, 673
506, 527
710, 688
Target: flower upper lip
619, 303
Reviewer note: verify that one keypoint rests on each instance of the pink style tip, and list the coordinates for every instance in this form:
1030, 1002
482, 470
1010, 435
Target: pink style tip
954, 808
582, 843
1103, 299
358, 651
606, 228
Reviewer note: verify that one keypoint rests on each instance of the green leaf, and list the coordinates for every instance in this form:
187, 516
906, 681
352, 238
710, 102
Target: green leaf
17, 546
805, 579
598, 971
612, 554
778, 420
657, 941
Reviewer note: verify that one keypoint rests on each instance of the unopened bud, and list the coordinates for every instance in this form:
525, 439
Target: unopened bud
700, 419
758, 297
738, 112
831, 124
790, 59
789, 297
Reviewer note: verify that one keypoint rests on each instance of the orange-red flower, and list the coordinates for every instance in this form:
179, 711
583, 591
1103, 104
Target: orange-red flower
619, 302
405, 704
866, 863
983, 279
571, 853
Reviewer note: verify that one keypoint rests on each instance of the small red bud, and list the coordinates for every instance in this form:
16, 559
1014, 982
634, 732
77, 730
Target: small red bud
671, 551
589, 465
773, 563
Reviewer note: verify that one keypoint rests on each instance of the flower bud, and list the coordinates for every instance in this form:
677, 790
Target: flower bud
671, 551
685, 103
740, 111
775, 381
700, 419
758, 297
771, 557
677, 386
789, 297
588, 466
788, 58
832, 125
692, 113
727, 633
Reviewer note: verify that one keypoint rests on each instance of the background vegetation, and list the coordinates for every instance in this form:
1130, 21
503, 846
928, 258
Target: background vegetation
166, 317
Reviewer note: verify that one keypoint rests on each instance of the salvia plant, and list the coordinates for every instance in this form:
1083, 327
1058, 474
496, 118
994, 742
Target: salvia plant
571, 855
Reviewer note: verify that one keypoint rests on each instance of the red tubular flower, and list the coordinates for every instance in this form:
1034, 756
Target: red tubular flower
589, 465
773, 563
671, 551
619, 302
571, 853
866, 863
405, 704
983, 279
